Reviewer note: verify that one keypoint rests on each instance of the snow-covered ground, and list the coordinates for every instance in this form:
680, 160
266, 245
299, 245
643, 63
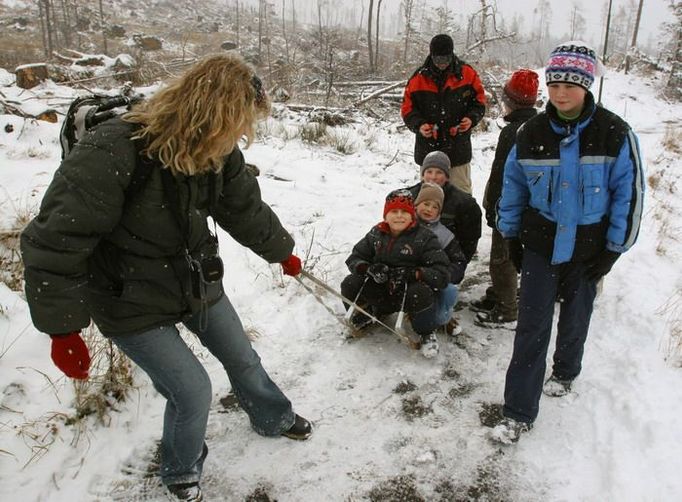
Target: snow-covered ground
389, 424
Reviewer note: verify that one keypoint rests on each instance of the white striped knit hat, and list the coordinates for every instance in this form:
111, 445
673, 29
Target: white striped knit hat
573, 62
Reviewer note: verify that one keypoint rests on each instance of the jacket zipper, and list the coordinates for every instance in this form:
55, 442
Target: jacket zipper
537, 178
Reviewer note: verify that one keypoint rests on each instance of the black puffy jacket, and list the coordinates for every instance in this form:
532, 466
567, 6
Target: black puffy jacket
416, 247
92, 254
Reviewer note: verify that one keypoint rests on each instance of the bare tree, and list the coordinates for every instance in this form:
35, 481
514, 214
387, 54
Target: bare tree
633, 44
407, 8
376, 39
45, 26
261, 8
362, 22
284, 30
369, 36
319, 18
236, 28
103, 26
443, 18
577, 22
674, 86
543, 14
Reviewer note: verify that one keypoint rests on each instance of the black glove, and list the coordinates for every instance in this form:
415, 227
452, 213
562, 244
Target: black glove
491, 219
600, 265
378, 272
515, 253
399, 277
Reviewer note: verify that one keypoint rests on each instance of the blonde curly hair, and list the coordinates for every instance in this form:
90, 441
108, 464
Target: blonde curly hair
195, 121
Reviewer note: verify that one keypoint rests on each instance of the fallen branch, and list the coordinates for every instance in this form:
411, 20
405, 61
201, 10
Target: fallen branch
376, 94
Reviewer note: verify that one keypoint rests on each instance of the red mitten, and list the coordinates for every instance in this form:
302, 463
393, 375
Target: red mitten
70, 354
292, 265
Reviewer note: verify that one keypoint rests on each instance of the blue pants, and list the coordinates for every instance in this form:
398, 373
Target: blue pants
179, 376
541, 285
438, 314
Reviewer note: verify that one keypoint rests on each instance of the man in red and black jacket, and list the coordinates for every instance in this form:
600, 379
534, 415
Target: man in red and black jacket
443, 100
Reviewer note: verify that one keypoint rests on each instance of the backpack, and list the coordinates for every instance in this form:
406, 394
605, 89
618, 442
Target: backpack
85, 113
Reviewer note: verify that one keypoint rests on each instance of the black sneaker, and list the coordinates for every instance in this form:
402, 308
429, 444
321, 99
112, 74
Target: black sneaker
302, 429
495, 316
190, 492
483, 304
557, 387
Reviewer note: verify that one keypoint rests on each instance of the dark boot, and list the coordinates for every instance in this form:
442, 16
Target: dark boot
483, 304
189, 492
557, 387
495, 316
302, 429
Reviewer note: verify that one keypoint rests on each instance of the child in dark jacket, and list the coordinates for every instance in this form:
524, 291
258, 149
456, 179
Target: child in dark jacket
499, 305
428, 206
397, 259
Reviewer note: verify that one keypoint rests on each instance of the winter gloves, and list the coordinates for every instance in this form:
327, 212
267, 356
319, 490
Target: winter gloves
515, 253
378, 272
600, 265
70, 354
400, 277
395, 277
491, 219
292, 265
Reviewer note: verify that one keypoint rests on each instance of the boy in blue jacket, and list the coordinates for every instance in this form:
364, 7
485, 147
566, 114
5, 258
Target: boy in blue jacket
573, 195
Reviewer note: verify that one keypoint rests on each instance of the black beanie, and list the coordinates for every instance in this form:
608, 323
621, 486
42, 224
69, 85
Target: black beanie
441, 45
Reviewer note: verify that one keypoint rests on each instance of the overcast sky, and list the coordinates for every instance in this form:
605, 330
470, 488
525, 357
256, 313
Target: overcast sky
653, 14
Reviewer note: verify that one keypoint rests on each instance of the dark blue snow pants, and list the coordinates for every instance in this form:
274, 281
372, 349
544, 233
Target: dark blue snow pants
542, 284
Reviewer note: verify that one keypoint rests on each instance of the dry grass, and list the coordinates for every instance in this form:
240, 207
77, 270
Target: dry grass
673, 345
11, 266
110, 381
672, 139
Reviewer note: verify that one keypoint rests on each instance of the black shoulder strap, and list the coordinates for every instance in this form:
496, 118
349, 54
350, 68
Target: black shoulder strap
143, 169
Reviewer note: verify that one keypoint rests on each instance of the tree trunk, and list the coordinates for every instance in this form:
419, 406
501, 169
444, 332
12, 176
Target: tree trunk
319, 20
362, 19
267, 30
48, 27
407, 12
237, 27
260, 29
369, 36
101, 20
633, 44
66, 23
376, 37
43, 27
284, 31
674, 85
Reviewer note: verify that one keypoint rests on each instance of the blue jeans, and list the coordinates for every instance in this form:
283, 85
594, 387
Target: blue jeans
179, 376
438, 314
541, 283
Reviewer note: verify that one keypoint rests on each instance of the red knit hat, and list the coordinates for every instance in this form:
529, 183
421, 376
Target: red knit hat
400, 199
522, 88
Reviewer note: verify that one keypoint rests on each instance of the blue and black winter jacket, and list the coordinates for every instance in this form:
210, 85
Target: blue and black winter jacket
572, 189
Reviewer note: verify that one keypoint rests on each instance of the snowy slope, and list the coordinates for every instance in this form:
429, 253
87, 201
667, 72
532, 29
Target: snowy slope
390, 425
